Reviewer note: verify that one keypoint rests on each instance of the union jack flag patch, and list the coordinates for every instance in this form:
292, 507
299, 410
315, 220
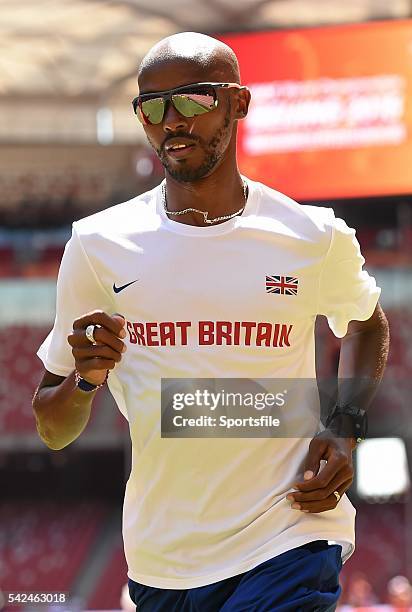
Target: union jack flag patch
283, 285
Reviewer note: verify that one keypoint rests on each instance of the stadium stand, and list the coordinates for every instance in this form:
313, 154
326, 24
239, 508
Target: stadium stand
21, 372
44, 545
7, 261
108, 589
380, 546
48, 545
48, 187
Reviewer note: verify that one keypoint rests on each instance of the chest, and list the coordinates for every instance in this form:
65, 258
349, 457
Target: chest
251, 277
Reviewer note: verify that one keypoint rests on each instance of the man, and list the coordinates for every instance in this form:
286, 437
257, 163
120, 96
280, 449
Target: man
213, 524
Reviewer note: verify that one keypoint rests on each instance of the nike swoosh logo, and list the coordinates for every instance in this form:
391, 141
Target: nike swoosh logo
118, 289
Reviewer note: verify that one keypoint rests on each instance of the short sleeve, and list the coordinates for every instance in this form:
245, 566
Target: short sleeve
78, 291
346, 291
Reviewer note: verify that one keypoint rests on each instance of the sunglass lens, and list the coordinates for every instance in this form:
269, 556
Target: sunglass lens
151, 111
194, 103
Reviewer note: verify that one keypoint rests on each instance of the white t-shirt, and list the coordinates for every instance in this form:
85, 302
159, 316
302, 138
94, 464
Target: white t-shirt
197, 511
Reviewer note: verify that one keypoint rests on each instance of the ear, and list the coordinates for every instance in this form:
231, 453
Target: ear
243, 101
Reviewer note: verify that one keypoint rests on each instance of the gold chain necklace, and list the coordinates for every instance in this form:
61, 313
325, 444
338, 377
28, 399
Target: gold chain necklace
202, 212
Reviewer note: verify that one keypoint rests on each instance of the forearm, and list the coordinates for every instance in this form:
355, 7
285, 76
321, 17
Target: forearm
62, 412
362, 361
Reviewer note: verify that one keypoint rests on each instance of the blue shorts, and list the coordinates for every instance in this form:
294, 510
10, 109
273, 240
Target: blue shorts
303, 579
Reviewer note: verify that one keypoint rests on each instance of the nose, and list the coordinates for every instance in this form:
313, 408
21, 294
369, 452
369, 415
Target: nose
173, 120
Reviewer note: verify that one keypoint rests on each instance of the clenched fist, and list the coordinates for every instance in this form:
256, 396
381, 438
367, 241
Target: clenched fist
93, 360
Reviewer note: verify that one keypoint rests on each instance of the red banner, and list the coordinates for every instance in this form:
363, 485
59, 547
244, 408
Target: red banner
331, 110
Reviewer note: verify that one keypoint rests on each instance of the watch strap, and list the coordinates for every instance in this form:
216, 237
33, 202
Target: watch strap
87, 386
348, 421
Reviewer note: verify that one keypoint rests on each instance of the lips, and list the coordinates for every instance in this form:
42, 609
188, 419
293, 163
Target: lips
179, 147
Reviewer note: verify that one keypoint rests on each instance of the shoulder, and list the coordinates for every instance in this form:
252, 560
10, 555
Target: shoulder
313, 222
135, 215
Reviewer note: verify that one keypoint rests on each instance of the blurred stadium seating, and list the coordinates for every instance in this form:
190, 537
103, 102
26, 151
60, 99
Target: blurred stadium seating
48, 545
44, 545
381, 530
21, 373
108, 588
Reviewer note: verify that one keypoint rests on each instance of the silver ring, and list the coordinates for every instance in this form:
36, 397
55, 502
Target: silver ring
90, 333
336, 494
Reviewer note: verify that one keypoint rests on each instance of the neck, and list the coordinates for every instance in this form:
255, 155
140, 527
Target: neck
219, 194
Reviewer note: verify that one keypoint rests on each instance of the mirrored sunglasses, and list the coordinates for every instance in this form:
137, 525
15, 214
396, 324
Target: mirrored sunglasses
189, 101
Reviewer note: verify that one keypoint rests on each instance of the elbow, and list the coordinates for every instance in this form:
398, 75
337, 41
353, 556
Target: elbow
52, 444
46, 436
55, 447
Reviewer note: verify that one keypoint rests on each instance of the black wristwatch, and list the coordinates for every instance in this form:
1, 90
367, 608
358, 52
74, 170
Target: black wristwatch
348, 422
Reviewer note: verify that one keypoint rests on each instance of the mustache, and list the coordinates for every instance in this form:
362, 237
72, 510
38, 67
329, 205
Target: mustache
180, 135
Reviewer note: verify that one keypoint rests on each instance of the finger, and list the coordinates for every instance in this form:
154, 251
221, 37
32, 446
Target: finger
316, 452
83, 353
318, 494
120, 318
325, 504
98, 317
336, 460
101, 335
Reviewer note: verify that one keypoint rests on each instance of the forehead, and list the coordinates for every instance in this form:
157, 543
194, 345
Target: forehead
171, 73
